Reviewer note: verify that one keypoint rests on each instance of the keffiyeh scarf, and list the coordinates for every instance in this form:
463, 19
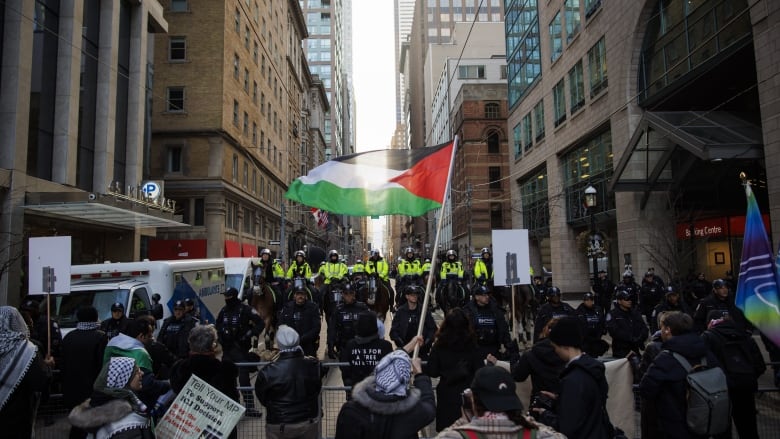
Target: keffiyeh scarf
16, 351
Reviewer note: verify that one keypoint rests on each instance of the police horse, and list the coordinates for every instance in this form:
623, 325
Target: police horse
265, 301
375, 294
451, 293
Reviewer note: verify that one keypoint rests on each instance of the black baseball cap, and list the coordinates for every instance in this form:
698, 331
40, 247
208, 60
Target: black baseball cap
588, 296
231, 292
495, 387
718, 283
180, 304
189, 302
118, 306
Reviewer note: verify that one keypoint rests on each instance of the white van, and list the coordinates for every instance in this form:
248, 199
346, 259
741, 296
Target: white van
133, 283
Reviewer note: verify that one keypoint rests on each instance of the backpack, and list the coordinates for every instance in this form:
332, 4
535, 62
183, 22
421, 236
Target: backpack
708, 406
736, 357
473, 434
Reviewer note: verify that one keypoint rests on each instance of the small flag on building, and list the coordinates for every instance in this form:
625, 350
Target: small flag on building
321, 217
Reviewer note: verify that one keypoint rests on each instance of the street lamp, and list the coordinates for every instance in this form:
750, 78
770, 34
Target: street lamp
595, 244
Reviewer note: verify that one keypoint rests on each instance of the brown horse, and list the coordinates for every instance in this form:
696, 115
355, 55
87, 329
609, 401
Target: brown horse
265, 302
524, 311
376, 295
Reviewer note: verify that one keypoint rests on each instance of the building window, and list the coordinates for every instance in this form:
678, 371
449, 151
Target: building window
254, 92
235, 112
246, 80
496, 216
246, 124
256, 52
535, 205
246, 37
597, 67
471, 72
235, 168
524, 56
254, 133
177, 49
179, 6
492, 111
503, 71
249, 221
246, 175
572, 8
231, 216
539, 120
589, 164
556, 37
527, 134
494, 177
200, 212
559, 103
174, 158
576, 87
591, 6
175, 100
238, 21
262, 140
494, 144
236, 66
517, 138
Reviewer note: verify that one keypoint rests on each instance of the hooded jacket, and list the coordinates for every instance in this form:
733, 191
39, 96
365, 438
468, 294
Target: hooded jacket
543, 365
373, 415
664, 382
580, 410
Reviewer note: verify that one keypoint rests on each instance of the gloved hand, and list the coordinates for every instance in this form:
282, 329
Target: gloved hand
332, 352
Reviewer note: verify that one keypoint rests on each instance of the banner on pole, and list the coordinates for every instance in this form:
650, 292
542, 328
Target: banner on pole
199, 411
511, 261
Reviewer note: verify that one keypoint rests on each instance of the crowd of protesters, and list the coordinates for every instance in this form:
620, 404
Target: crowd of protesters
117, 377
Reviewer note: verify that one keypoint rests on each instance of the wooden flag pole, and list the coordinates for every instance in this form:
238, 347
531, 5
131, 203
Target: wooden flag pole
439, 223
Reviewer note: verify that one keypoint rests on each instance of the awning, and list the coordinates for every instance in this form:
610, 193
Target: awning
102, 209
666, 145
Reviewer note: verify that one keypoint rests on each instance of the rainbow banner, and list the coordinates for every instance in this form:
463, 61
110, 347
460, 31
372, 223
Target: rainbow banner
757, 288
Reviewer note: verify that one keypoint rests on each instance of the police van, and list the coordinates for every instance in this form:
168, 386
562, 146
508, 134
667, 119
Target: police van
133, 283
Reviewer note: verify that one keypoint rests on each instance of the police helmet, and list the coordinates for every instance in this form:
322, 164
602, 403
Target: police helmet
358, 261
452, 253
156, 297
553, 291
409, 250
333, 253
375, 253
300, 253
266, 251
623, 294
484, 250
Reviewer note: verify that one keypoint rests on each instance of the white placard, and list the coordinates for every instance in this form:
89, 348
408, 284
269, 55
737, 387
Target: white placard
511, 262
199, 411
50, 251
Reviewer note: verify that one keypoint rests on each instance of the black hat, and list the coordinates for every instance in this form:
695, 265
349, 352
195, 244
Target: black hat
603, 271
481, 290
649, 274
366, 324
567, 332
553, 291
118, 306
189, 302
179, 304
671, 290
87, 313
231, 292
412, 289
588, 296
623, 294
718, 283
30, 305
495, 387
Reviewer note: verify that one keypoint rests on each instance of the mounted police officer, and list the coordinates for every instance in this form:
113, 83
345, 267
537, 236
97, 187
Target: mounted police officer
236, 324
342, 325
409, 271
483, 269
333, 270
450, 266
303, 315
271, 272
377, 266
490, 325
300, 269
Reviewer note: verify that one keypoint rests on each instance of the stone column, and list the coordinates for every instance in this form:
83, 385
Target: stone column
105, 115
136, 93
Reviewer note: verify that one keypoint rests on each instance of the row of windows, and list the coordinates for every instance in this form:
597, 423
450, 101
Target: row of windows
597, 74
250, 221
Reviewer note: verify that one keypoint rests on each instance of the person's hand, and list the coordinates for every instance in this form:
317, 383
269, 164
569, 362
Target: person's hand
49, 361
549, 394
409, 347
416, 365
491, 359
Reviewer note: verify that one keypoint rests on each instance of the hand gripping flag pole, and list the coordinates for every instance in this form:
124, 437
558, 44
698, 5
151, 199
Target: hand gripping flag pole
439, 223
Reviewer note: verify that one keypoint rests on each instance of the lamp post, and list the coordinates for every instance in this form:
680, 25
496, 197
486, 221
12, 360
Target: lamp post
590, 203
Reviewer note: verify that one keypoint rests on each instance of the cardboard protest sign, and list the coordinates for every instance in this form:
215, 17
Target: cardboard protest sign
199, 411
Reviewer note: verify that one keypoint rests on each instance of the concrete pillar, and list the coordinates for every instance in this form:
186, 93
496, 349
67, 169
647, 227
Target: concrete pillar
105, 117
136, 94
67, 93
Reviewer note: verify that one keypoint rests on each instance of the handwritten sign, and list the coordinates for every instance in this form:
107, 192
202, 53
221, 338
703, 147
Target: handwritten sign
199, 411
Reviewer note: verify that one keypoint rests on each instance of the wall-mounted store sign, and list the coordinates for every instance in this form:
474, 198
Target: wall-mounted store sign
720, 227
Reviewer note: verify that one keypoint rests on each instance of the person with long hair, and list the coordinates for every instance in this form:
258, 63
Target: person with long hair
491, 408
454, 359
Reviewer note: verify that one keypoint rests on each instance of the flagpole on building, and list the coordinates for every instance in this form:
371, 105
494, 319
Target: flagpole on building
439, 223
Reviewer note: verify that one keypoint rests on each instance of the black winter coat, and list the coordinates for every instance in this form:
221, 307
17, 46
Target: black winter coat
713, 303
456, 366
305, 319
342, 326
363, 354
289, 388
580, 410
82, 359
725, 332
219, 374
490, 338
664, 382
544, 367
628, 331
405, 324
175, 334
547, 312
374, 415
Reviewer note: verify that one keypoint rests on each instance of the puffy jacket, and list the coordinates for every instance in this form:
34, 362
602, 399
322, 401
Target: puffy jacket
483, 270
289, 388
379, 267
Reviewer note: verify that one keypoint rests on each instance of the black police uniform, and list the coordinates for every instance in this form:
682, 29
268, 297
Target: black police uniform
405, 324
550, 311
305, 319
175, 333
628, 331
491, 328
593, 319
111, 326
343, 325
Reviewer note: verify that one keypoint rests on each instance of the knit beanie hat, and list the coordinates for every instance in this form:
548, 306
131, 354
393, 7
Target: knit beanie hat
286, 337
393, 373
567, 332
366, 324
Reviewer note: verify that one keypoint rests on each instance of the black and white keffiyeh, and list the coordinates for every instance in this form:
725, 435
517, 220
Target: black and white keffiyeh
120, 370
393, 373
17, 352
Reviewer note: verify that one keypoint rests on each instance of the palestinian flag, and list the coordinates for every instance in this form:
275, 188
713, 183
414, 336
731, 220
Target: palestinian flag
384, 182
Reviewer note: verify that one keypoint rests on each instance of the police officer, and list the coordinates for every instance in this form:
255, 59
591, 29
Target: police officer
303, 315
483, 269
272, 272
554, 308
175, 331
236, 324
719, 300
540, 290
490, 325
650, 295
626, 325
409, 266
376, 265
592, 317
300, 268
116, 323
631, 287
359, 267
406, 321
157, 308
605, 291
191, 310
671, 302
342, 325
426, 266
452, 266
333, 270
